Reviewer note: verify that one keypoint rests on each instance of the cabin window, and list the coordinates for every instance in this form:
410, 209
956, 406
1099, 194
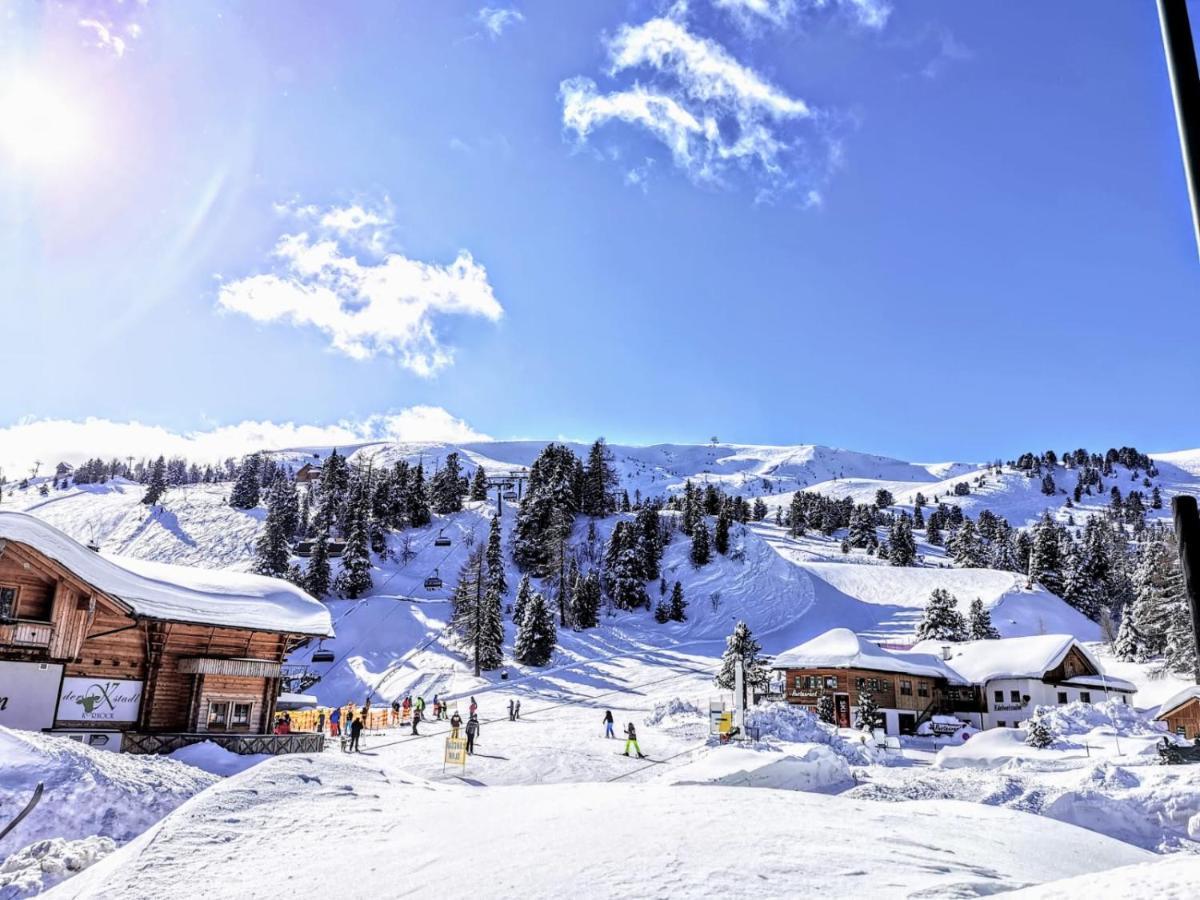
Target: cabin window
1062, 697
1014, 696
831, 682
241, 713
999, 696
922, 688
8, 604
218, 714
905, 688
1001, 724
1085, 696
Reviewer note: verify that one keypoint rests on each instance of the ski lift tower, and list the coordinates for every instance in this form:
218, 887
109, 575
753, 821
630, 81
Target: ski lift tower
509, 486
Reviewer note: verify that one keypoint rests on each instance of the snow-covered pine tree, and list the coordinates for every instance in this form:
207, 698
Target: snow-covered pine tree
648, 541
537, 635
754, 664
334, 486
479, 488
158, 483
825, 708
967, 548
551, 502
662, 612
283, 499
721, 535
524, 593
355, 578
868, 717
918, 521
245, 491
902, 545
1046, 563
599, 482
933, 529
446, 487
585, 601
272, 553
701, 551
689, 508
980, 627
495, 559
1038, 733
677, 609
941, 620
884, 498
491, 643
1086, 586
419, 513
317, 576
476, 617
759, 510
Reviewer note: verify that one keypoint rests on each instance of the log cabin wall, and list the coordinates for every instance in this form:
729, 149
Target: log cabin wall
892, 690
1185, 720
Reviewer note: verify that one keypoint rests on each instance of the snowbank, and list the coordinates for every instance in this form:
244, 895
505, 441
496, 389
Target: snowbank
1173, 878
88, 791
794, 724
800, 767
216, 759
1075, 720
322, 820
45, 863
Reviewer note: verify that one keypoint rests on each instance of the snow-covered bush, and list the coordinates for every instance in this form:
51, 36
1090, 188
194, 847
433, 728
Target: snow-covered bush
675, 708
1077, 719
795, 724
1038, 734
43, 864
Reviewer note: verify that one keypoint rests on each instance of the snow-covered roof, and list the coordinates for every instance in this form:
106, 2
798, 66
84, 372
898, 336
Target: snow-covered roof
287, 701
1192, 691
841, 648
1107, 682
178, 593
1016, 657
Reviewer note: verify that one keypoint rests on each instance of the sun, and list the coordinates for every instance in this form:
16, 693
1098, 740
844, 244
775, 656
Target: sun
40, 125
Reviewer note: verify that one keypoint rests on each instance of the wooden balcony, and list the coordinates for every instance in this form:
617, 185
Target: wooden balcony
26, 634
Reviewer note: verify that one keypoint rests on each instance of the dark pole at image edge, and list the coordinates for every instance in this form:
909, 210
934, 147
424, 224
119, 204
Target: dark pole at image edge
1187, 531
1185, 88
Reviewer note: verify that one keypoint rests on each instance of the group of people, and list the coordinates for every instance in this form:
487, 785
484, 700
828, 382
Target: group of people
514, 710
630, 734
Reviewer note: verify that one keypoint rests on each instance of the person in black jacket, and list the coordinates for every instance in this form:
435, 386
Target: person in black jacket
455, 722
472, 730
631, 739
608, 724
356, 728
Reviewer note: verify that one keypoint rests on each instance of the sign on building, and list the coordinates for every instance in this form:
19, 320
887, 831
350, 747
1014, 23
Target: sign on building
27, 694
99, 700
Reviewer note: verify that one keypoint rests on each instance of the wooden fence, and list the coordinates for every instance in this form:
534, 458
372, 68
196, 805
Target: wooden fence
274, 744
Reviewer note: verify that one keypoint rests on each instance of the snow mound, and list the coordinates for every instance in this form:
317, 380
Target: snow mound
215, 759
1173, 878
803, 767
1082, 719
793, 724
88, 791
670, 712
44, 863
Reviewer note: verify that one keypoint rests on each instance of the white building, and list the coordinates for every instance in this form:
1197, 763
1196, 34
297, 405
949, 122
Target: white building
1015, 675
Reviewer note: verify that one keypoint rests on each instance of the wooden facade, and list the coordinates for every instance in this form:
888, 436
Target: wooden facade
1184, 719
192, 678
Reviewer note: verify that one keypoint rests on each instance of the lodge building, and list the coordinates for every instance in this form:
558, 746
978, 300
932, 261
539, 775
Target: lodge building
987, 684
132, 655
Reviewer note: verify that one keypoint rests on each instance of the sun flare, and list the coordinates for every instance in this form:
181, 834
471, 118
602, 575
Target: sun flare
40, 125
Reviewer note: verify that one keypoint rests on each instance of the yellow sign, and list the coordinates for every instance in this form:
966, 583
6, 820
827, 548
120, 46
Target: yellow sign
725, 723
456, 752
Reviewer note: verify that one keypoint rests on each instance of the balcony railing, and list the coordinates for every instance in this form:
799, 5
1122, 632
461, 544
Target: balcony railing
24, 633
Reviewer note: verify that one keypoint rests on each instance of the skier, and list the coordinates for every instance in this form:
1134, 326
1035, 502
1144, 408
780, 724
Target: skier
512, 714
395, 712
518, 709
437, 707
356, 728
420, 706
474, 707
608, 724
472, 730
416, 719
455, 722
321, 722
631, 739
405, 708
335, 722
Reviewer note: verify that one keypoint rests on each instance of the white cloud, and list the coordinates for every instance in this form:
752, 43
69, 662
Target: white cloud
51, 441
712, 112
384, 306
496, 20
105, 36
871, 14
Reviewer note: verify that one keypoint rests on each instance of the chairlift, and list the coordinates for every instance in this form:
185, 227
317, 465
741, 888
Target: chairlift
511, 496
321, 655
433, 582
441, 540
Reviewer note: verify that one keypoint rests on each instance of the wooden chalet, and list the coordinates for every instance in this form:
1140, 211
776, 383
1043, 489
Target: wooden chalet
308, 472
907, 687
144, 657
1181, 713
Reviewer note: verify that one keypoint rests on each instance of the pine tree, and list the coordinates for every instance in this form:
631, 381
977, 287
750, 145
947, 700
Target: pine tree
1046, 563
1038, 734
869, 717
599, 482
495, 559
585, 601
334, 486
446, 487
902, 545
677, 610
701, 552
721, 536
419, 513
980, 626
158, 484
759, 511
246, 489
283, 499
479, 487
662, 612
941, 620
355, 578
933, 530
754, 664
524, 593
317, 577
825, 708
967, 547
272, 554
537, 635
476, 618
1087, 585
648, 542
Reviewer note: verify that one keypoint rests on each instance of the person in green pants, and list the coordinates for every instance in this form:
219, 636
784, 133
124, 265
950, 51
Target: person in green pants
631, 740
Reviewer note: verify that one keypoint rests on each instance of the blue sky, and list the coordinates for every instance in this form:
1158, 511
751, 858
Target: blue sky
935, 230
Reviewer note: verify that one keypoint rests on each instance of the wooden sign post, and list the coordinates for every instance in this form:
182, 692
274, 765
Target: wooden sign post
456, 753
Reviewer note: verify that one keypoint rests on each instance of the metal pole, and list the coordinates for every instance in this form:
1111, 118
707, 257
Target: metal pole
1185, 88
1187, 532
